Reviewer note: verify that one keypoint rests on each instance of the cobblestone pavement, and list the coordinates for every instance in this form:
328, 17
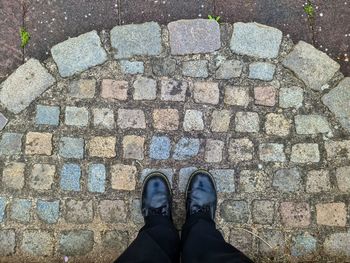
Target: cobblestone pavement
269, 119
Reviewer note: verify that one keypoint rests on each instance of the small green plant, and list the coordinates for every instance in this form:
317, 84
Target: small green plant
309, 9
216, 18
25, 37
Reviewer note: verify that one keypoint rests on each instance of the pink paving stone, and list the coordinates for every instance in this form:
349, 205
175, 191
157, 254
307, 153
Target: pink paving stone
265, 96
295, 214
114, 89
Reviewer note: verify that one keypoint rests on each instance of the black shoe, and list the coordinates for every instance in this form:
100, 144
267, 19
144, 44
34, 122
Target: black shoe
156, 196
201, 194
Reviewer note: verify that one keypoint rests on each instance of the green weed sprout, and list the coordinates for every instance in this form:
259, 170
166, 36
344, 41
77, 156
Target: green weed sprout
25, 37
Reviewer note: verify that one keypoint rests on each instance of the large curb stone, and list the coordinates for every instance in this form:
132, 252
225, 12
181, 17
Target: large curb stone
255, 40
134, 40
194, 36
24, 85
311, 65
78, 54
338, 102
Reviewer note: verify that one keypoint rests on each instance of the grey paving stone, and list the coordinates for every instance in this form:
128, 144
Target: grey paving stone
291, 97
173, 90
97, 178
23, 86
337, 244
160, 147
116, 240
168, 172
247, 122
42, 177
194, 36
195, 68
287, 180
133, 40
312, 66
129, 118
235, 211
303, 245
103, 118
311, 124
262, 71
145, 89
252, 181
3, 121
70, 59
70, 177
225, 180
7, 242
184, 176
132, 67
343, 178
263, 211
38, 242
220, 120
272, 152
3, 203
276, 240
206, 92
318, 181
186, 148
20, 210
242, 240
47, 115
277, 124
77, 116
13, 175
79, 212
214, 151
71, 147
163, 66
48, 211
136, 214
305, 152
338, 150
337, 100
255, 40
76, 242
113, 211
240, 150
82, 88
193, 120
229, 69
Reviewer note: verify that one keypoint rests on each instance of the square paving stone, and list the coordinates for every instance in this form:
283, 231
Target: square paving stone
291, 97
38, 143
48, 211
130, 118
79, 212
116, 240
160, 147
20, 210
262, 71
252, 181
193, 120
113, 211
97, 178
265, 96
82, 89
10, 143
240, 150
173, 90
242, 240
206, 92
229, 69
13, 175
263, 211
305, 152
220, 121
295, 214
103, 118
145, 89
331, 214
303, 244
287, 180
214, 151
237, 96
76, 242
38, 243
166, 119
318, 181
277, 124
247, 122
133, 40
195, 68
225, 180
104, 147
70, 177
114, 90
123, 177
132, 67
311, 124
133, 147
337, 243
186, 148
71, 147
343, 178
163, 66
7, 242
77, 116
276, 239
3, 203
47, 115
272, 152
235, 211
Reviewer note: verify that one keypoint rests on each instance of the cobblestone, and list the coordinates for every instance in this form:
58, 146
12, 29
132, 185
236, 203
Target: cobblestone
42, 177
193, 120
194, 36
235, 211
242, 240
76, 242
133, 147
275, 239
184, 176
291, 97
97, 178
77, 116
287, 180
220, 120
145, 89
343, 179
311, 124
186, 148
38, 143
277, 124
318, 181
3, 121
166, 119
173, 90
255, 40
206, 92
114, 90
160, 148
27, 83
123, 177
303, 244
214, 151
263, 211
338, 150
134, 40
13, 175
70, 177
163, 66
229, 69
103, 147
312, 66
238, 96
2, 208
247, 122
71, 148
20, 210
113, 211
48, 211
331, 214
132, 67
116, 240
262, 71
47, 115
240, 150
79, 212
37, 242
265, 96
104, 118
10, 143
225, 180
70, 59
82, 89
337, 244
128, 118
305, 152
295, 214
7, 242
195, 68
168, 172
272, 152
253, 181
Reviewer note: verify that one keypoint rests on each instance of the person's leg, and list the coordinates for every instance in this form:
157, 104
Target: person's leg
201, 241
158, 240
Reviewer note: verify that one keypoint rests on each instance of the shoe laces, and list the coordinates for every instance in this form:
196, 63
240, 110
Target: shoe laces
204, 209
159, 211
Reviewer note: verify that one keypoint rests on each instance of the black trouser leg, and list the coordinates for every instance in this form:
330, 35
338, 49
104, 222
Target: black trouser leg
157, 241
203, 243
